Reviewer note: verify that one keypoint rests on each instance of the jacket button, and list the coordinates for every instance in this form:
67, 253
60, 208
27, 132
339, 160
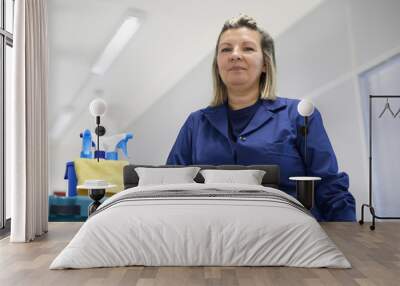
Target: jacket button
242, 138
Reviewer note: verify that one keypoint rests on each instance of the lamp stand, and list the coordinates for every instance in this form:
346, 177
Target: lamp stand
304, 132
100, 131
98, 137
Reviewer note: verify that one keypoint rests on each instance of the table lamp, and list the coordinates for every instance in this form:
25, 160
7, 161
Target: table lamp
305, 184
97, 108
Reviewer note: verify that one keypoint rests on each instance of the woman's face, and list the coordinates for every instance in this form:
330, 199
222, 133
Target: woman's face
240, 58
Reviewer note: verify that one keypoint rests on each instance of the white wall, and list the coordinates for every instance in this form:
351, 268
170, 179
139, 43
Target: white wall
319, 57
156, 130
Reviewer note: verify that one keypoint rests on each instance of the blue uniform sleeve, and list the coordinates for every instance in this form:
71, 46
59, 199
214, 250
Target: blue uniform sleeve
181, 152
333, 200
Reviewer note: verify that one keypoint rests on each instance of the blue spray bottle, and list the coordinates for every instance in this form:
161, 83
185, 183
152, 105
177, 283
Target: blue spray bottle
112, 143
87, 144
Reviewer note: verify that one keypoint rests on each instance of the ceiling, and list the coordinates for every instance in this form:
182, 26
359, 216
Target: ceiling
174, 37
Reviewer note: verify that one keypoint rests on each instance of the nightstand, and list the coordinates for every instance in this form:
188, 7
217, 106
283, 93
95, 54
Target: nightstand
96, 195
305, 190
96, 191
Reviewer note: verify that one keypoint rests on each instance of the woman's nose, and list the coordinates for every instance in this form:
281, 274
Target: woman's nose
236, 55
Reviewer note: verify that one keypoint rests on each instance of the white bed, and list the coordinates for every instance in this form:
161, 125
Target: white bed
206, 230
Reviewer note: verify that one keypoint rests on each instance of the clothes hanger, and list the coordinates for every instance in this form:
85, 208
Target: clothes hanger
398, 111
387, 107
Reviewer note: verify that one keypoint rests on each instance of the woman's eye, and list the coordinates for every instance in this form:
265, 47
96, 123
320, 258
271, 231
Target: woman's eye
249, 49
224, 50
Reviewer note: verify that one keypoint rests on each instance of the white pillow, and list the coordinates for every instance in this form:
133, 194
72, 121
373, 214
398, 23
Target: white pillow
165, 176
249, 177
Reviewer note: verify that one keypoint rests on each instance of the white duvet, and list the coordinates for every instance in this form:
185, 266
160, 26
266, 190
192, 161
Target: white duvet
200, 231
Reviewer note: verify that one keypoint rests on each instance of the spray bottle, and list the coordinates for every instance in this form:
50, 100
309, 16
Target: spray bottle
87, 144
112, 143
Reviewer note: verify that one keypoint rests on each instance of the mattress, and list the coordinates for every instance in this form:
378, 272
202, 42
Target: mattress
201, 225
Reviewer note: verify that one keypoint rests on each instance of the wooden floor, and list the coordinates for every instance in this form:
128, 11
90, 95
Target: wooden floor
374, 255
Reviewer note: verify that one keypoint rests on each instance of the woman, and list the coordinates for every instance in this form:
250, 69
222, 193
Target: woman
247, 124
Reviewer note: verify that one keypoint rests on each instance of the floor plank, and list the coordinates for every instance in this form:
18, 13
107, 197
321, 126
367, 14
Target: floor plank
374, 255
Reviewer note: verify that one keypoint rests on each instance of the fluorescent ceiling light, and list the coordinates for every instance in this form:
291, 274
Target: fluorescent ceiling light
116, 45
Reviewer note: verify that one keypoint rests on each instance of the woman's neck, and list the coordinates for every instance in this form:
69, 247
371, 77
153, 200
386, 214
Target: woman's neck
238, 99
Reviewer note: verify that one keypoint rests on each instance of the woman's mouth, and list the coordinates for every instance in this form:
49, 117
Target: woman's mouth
237, 69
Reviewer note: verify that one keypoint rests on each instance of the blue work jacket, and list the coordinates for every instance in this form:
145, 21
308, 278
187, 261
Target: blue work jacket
271, 137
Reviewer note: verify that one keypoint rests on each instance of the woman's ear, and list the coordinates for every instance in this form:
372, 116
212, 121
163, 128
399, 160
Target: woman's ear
264, 67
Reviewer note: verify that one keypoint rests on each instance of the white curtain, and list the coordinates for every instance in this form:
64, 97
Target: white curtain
27, 148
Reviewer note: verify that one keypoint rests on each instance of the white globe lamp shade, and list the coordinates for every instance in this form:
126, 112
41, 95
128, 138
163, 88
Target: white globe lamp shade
98, 107
305, 107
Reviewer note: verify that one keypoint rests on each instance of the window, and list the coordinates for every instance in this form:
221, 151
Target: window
6, 44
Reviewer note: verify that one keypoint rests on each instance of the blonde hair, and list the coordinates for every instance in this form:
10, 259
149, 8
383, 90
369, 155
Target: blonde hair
267, 79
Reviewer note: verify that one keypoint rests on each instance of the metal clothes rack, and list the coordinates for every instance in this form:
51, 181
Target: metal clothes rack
369, 205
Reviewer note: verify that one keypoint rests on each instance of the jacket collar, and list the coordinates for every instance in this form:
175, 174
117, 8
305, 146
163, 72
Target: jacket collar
218, 117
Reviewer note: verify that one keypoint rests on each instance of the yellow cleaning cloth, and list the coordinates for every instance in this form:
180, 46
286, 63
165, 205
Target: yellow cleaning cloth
108, 170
